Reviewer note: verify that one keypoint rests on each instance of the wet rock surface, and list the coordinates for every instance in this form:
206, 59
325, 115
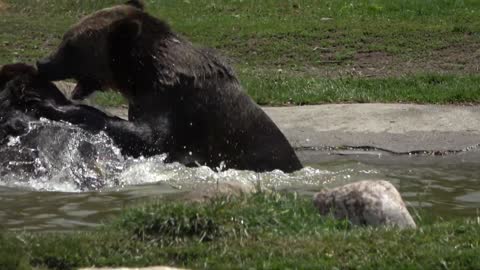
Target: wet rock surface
227, 189
371, 203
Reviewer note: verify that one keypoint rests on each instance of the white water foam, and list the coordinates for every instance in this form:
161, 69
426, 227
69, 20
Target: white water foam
55, 156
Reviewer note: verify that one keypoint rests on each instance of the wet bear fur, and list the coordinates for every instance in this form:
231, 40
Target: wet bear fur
15, 82
38, 142
183, 100
26, 97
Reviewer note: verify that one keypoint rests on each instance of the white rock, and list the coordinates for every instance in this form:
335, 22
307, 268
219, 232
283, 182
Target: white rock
222, 189
146, 268
372, 203
65, 87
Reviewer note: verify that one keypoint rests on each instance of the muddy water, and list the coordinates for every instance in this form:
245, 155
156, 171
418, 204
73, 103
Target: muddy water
447, 187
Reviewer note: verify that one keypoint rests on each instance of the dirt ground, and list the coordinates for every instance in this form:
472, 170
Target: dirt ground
456, 59
459, 59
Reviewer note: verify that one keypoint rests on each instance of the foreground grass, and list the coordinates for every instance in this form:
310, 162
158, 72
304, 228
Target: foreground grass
302, 51
262, 232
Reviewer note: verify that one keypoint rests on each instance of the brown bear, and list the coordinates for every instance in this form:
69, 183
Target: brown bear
183, 100
15, 82
44, 148
25, 97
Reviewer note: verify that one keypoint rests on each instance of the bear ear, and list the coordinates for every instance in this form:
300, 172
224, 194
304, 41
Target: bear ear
127, 29
136, 3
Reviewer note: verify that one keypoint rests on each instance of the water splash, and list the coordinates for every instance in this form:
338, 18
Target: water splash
54, 156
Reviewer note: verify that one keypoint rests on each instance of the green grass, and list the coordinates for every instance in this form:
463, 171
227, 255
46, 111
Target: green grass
273, 32
299, 52
317, 44
260, 232
109, 99
281, 90
434, 89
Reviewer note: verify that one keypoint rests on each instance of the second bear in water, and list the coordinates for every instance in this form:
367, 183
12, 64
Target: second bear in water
186, 101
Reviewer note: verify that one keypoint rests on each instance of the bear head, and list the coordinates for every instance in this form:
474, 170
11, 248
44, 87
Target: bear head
84, 53
9, 72
23, 80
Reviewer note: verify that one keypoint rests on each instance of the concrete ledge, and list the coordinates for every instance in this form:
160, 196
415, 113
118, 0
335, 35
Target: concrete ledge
399, 128
395, 128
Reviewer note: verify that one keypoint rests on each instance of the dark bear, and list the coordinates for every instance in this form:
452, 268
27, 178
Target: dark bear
15, 80
46, 144
25, 77
183, 100
25, 97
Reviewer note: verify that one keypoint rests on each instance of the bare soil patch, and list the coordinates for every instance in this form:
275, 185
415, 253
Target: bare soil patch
455, 59
463, 58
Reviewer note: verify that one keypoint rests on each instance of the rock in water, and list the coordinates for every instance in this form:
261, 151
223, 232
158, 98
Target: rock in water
372, 203
226, 189
146, 268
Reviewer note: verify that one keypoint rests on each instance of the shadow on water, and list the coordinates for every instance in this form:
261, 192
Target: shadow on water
58, 177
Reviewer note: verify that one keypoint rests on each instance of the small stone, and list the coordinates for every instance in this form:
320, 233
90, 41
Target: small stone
146, 268
65, 87
227, 189
371, 203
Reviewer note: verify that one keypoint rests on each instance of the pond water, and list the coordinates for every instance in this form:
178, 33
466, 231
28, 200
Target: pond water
53, 190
